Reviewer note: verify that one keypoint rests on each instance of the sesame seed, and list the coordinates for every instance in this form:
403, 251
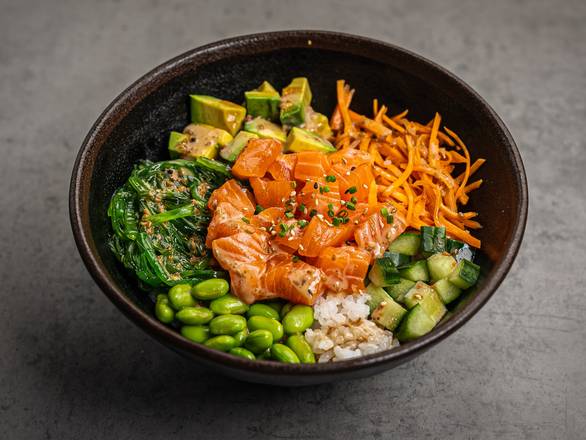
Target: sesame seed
301, 247
365, 186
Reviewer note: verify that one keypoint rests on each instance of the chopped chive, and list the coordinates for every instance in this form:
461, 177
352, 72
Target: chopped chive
282, 233
350, 190
289, 214
354, 200
330, 178
302, 223
351, 206
295, 259
302, 208
283, 227
245, 220
343, 213
336, 221
258, 209
384, 212
313, 212
390, 218
345, 220
324, 189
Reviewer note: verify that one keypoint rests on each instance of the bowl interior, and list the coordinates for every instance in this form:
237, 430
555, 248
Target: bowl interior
137, 127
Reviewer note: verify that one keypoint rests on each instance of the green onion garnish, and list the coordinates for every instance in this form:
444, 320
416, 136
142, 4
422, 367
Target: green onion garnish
353, 200
295, 259
245, 220
336, 221
258, 209
302, 223
313, 212
350, 190
289, 214
351, 206
330, 178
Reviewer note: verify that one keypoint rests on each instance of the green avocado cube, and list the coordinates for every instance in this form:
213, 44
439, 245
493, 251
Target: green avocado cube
198, 140
177, 144
294, 101
265, 129
217, 112
231, 151
317, 123
263, 101
303, 140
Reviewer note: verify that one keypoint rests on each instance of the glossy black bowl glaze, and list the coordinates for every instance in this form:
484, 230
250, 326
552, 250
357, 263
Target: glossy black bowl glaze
137, 123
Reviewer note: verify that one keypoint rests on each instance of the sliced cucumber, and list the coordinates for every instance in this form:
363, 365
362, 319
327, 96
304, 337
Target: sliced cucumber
415, 271
441, 266
465, 274
377, 296
446, 290
398, 291
388, 314
383, 272
416, 324
398, 259
452, 245
407, 243
433, 239
430, 301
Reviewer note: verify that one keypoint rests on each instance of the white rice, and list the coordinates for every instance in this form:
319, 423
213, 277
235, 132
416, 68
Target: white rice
342, 329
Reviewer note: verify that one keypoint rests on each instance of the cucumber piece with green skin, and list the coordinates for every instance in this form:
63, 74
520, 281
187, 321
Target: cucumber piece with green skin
231, 151
433, 240
383, 272
398, 291
265, 129
446, 290
415, 324
460, 251
452, 246
217, 112
465, 274
415, 271
388, 314
407, 243
441, 266
377, 296
295, 98
429, 300
302, 140
263, 101
398, 259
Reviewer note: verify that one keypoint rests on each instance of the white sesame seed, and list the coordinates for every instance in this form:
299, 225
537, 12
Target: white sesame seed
365, 186
301, 247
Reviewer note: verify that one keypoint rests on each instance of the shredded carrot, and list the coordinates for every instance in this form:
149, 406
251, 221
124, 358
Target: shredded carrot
414, 165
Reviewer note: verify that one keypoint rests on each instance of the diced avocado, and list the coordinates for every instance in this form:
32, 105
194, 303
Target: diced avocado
177, 143
446, 290
388, 314
407, 243
303, 140
441, 266
430, 301
383, 272
465, 274
217, 113
397, 258
263, 101
231, 151
294, 100
317, 123
265, 129
377, 296
416, 324
416, 271
200, 141
433, 240
398, 291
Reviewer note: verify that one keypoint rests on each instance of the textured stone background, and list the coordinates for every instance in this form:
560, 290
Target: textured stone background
72, 367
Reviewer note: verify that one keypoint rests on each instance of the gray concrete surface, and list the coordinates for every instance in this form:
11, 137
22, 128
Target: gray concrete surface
72, 367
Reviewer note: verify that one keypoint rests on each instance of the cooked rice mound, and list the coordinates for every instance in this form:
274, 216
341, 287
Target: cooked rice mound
342, 329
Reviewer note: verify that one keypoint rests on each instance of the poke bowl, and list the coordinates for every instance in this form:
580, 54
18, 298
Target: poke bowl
298, 207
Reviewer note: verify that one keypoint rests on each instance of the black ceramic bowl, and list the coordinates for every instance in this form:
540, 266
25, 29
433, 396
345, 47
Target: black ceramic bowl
137, 123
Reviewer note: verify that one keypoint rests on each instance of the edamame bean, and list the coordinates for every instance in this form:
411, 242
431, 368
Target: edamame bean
258, 341
265, 355
228, 304
196, 333
270, 324
222, 343
180, 296
298, 319
262, 310
227, 324
243, 352
195, 315
240, 337
163, 310
285, 309
210, 289
302, 349
282, 353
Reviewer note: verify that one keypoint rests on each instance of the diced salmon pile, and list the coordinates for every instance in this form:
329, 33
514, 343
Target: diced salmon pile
311, 223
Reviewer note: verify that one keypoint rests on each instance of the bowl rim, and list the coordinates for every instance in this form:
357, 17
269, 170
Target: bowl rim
127, 99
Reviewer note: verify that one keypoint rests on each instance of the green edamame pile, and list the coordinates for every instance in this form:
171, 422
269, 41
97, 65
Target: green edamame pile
208, 314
